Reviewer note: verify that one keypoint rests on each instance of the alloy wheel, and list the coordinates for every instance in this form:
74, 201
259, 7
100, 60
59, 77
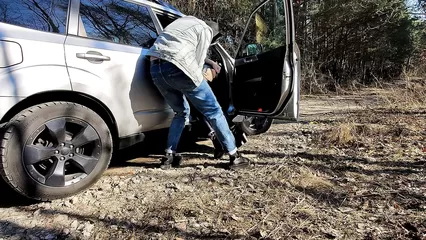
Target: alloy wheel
62, 152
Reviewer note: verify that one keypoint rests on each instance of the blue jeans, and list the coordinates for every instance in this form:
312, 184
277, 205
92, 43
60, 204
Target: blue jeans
176, 88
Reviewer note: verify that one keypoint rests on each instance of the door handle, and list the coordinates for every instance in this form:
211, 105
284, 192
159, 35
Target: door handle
93, 56
250, 59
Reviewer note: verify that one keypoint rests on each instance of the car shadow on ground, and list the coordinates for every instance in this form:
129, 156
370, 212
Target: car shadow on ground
10, 198
152, 148
146, 156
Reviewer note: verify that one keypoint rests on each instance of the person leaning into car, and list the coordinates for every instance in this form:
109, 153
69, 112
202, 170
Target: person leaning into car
177, 59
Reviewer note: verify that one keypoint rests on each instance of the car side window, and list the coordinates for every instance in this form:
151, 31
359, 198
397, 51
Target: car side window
266, 30
117, 21
164, 20
43, 15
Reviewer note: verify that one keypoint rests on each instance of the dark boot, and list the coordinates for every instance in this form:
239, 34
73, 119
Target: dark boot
238, 161
171, 160
177, 160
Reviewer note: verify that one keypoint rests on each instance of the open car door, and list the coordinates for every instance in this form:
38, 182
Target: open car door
266, 80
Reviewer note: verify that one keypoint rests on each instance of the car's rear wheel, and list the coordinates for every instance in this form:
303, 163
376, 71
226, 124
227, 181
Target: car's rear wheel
256, 125
54, 150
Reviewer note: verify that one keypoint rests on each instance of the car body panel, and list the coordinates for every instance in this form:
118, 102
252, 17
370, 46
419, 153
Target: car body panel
11, 54
122, 82
41, 53
122, 86
291, 112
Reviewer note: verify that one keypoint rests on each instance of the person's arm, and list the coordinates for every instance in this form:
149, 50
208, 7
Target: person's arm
214, 64
204, 38
204, 41
209, 62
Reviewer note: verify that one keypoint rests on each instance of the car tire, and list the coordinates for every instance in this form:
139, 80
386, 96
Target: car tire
54, 150
262, 125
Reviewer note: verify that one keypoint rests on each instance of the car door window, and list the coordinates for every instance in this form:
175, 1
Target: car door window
47, 15
165, 20
265, 30
117, 21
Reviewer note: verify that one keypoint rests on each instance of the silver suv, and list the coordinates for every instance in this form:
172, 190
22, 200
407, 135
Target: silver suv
75, 85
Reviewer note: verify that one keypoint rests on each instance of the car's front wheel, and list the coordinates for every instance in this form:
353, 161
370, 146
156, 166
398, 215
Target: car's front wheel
54, 150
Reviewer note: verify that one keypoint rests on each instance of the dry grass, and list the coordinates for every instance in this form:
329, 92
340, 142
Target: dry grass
307, 179
335, 194
408, 94
353, 134
340, 135
272, 202
393, 118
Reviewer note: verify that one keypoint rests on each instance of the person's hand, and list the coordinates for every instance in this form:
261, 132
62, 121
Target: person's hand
209, 74
216, 67
214, 73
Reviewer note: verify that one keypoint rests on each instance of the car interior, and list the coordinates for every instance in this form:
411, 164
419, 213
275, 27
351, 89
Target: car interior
220, 85
255, 89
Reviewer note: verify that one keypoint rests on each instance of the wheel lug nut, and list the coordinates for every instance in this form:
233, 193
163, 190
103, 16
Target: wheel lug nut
56, 152
62, 144
62, 158
71, 146
71, 155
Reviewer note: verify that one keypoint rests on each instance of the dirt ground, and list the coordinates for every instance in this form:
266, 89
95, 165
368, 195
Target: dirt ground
350, 169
